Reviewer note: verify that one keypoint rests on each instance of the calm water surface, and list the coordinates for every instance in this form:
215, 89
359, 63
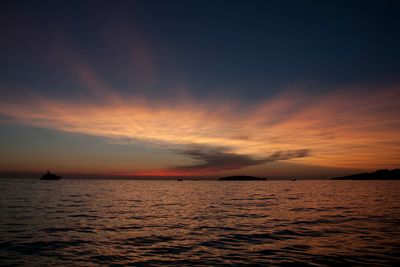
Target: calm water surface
203, 223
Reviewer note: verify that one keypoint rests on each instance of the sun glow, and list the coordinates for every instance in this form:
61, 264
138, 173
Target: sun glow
341, 130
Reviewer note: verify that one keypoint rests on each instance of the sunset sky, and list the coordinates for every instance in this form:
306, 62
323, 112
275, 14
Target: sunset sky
199, 88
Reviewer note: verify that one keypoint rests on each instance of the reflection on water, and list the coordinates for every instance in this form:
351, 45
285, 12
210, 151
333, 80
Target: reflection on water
83, 222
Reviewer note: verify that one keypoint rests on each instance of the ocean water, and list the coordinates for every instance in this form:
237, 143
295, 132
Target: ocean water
199, 223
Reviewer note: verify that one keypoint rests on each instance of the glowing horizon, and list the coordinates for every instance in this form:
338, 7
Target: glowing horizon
345, 130
150, 93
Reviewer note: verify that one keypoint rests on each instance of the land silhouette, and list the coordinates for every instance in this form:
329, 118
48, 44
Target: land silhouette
242, 178
377, 175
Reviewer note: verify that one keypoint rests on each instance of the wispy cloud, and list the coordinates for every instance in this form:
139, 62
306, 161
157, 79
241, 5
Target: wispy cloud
211, 159
345, 129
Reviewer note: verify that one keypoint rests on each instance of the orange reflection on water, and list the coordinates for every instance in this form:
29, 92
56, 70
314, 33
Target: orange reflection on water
125, 222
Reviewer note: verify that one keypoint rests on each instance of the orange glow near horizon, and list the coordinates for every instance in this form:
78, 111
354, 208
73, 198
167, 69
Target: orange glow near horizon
347, 129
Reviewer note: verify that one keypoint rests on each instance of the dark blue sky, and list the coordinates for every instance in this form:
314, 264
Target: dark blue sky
199, 87
243, 49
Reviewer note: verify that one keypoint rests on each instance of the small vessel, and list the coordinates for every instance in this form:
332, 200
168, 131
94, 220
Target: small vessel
180, 180
293, 179
50, 176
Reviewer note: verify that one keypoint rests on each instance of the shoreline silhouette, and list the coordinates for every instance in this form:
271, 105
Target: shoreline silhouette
241, 178
376, 175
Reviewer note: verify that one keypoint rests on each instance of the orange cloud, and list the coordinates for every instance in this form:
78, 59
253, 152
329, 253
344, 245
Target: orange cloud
346, 129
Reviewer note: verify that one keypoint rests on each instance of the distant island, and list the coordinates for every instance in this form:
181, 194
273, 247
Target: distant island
242, 178
377, 175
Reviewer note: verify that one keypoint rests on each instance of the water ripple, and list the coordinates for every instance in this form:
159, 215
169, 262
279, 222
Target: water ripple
202, 223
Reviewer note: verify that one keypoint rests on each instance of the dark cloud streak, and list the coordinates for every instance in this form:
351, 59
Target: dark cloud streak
218, 160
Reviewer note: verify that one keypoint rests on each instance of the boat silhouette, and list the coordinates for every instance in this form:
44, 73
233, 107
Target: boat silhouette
50, 176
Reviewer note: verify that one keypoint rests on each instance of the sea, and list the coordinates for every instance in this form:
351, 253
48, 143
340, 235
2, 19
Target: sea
199, 223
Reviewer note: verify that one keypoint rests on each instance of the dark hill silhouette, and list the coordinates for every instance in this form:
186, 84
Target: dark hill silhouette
377, 175
50, 176
241, 178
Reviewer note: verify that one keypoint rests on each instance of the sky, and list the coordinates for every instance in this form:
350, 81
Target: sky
199, 88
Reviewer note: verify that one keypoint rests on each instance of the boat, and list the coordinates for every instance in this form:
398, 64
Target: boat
50, 176
293, 179
180, 180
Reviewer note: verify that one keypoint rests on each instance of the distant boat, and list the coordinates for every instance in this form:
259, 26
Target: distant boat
180, 180
50, 176
294, 179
